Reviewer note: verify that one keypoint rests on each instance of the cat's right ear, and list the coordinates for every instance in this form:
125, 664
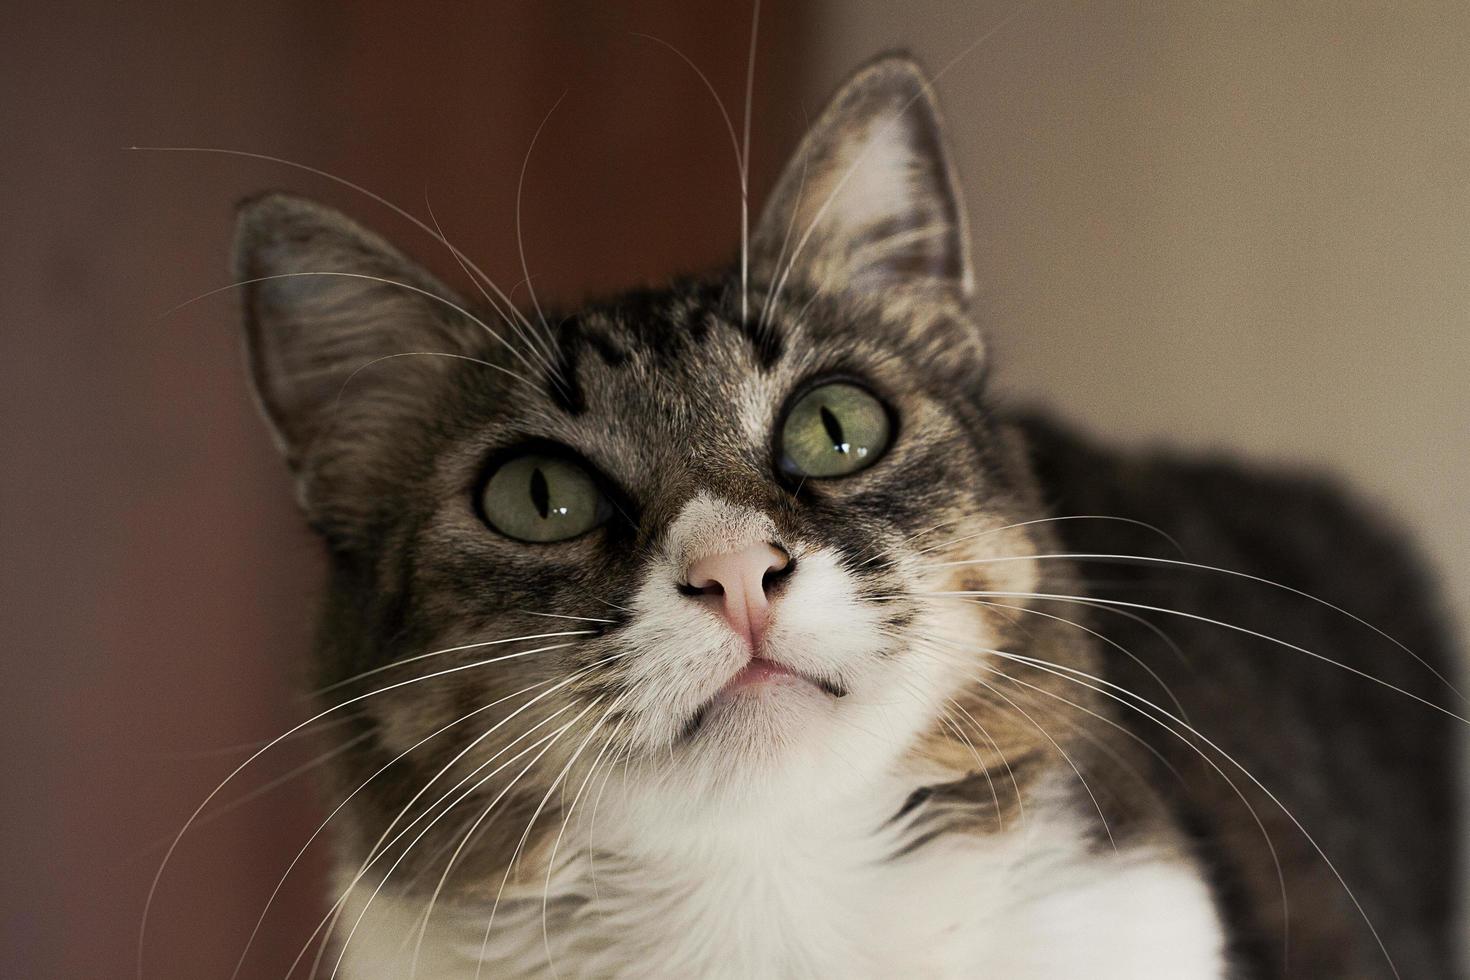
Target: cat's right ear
329, 307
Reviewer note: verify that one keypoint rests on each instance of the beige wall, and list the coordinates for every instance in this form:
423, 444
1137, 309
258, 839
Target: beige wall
1242, 225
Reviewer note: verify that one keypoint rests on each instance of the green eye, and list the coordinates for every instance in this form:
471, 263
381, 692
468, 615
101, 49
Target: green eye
542, 498
833, 430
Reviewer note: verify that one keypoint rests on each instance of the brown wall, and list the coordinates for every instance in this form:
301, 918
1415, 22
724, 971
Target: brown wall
156, 586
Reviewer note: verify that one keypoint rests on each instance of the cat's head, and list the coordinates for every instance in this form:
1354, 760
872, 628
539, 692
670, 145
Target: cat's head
701, 528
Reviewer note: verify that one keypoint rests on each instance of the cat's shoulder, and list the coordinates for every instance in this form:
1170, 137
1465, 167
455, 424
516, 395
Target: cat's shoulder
1309, 635
1293, 522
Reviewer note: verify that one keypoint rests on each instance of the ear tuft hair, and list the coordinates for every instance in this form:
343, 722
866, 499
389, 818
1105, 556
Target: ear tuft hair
869, 202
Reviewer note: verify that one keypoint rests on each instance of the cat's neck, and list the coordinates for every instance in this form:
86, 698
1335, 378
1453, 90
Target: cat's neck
804, 896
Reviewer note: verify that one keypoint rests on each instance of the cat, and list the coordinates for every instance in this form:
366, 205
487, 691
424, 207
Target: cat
734, 629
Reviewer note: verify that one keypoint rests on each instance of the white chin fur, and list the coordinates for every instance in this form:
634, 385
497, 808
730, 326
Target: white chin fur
785, 737
761, 845
767, 718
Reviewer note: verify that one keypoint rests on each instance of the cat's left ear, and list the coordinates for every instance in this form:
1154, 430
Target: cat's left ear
869, 203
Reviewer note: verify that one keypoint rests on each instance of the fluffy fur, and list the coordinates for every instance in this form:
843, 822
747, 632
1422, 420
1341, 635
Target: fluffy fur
553, 775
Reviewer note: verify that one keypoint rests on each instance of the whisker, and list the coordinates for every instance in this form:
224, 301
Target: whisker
469, 834
965, 663
1255, 816
264, 788
613, 605
1216, 622
337, 401
949, 722
985, 769
880, 552
1010, 771
874, 140
1134, 736
1084, 733
518, 323
585, 619
334, 914
556, 845
1063, 752
456, 649
386, 282
379, 848
168, 855
520, 186
740, 153
766, 306
1145, 559
549, 741
947, 718
1083, 779
709, 87
1051, 667
240, 963
1147, 624
515, 855
236, 749
1055, 520
1105, 639
622, 756
755, 23
482, 280
1010, 527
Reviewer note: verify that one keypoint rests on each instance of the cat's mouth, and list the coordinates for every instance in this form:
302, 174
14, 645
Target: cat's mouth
760, 677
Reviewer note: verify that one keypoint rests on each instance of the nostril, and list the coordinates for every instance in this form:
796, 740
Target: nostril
776, 574
709, 588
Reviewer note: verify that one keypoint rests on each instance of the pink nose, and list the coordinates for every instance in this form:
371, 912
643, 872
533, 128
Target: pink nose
736, 582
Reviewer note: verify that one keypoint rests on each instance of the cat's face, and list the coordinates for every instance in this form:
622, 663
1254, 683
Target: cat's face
702, 530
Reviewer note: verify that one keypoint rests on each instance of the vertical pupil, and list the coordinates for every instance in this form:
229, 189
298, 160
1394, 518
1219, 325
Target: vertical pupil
540, 493
834, 430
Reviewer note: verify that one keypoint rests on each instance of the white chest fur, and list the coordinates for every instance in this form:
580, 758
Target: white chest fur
822, 899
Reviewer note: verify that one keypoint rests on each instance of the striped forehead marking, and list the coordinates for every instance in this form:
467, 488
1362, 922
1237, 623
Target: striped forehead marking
663, 327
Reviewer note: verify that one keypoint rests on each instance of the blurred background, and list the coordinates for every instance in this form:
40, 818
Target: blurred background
1228, 226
